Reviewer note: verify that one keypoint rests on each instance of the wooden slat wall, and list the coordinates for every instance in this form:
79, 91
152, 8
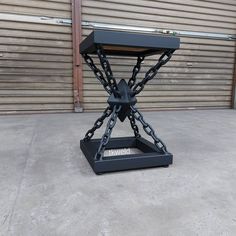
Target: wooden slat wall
199, 74
35, 58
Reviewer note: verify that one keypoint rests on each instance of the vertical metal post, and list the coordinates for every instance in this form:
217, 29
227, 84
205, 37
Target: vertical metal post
77, 63
234, 84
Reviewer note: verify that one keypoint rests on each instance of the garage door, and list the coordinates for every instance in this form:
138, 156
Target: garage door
200, 74
35, 56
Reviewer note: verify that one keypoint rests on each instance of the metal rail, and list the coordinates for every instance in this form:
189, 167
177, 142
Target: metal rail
92, 25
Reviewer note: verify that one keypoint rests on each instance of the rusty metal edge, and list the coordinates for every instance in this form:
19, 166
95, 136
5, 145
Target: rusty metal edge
234, 82
77, 62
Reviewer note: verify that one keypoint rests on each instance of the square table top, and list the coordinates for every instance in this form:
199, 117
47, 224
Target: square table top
127, 44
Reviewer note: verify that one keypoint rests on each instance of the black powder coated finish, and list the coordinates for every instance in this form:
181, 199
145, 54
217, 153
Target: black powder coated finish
122, 98
150, 157
127, 44
125, 100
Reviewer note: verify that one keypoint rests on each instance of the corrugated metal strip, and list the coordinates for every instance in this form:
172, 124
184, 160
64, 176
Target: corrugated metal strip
92, 25
35, 57
36, 53
200, 73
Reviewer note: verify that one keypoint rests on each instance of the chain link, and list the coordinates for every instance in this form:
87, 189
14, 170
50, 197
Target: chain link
153, 71
97, 72
107, 69
136, 70
105, 138
98, 123
133, 125
149, 130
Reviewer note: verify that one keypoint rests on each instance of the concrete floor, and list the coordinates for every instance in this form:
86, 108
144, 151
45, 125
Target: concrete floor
48, 188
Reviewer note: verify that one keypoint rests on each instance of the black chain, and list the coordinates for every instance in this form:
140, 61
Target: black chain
98, 123
105, 138
153, 71
97, 72
149, 130
107, 69
136, 70
133, 124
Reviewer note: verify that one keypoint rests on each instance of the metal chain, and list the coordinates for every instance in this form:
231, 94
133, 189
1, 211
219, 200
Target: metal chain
153, 71
149, 130
133, 124
98, 123
136, 70
105, 138
107, 69
97, 72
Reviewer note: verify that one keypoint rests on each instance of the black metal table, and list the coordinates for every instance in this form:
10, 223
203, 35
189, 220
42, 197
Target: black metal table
122, 99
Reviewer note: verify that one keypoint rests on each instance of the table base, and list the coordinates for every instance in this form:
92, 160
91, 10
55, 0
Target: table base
150, 156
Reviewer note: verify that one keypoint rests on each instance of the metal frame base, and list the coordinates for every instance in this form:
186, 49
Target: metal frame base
122, 100
151, 156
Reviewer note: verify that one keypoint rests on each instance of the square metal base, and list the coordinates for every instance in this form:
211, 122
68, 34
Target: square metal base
150, 157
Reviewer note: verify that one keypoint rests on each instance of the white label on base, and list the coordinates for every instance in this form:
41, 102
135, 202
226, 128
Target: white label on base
121, 151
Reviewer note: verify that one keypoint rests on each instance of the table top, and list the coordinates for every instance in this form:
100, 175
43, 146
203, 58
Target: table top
127, 44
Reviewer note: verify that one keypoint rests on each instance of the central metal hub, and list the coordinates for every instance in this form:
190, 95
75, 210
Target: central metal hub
125, 99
